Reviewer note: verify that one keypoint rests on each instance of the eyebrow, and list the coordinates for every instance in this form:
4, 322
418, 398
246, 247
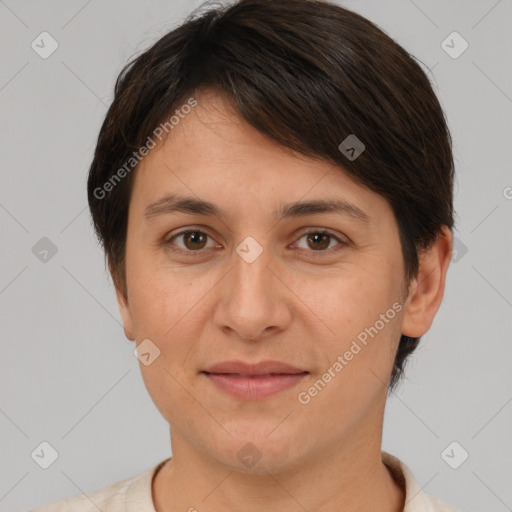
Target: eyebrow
173, 203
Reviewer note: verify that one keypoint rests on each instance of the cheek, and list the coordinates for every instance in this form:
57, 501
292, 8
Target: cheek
355, 318
344, 303
161, 298
165, 309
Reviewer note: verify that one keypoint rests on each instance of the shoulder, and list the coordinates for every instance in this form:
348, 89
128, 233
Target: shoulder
114, 496
416, 500
122, 496
436, 504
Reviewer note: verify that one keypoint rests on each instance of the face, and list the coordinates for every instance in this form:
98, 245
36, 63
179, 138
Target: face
318, 290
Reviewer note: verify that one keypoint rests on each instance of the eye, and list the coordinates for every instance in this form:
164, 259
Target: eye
320, 241
194, 240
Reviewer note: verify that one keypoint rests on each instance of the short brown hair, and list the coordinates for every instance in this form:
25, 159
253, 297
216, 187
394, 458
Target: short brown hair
307, 74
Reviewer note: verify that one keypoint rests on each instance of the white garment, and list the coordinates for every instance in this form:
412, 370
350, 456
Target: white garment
134, 494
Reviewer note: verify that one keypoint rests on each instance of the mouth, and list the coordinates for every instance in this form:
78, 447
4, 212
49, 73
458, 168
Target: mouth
254, 381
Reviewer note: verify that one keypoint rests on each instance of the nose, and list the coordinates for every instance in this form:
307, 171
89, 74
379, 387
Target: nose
254, 302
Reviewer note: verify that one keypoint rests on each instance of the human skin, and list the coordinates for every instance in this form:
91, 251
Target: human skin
295, 303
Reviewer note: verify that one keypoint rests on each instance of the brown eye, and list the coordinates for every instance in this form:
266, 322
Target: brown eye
192, 241
319, 241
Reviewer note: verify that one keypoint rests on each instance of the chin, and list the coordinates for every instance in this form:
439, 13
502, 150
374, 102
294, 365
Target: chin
260, 451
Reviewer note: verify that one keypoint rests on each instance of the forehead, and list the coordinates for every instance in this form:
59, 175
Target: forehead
214, 155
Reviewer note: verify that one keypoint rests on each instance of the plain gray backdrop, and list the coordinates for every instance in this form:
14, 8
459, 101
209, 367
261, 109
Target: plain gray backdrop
67, 374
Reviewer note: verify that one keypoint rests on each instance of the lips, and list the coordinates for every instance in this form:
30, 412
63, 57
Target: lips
254, 369
248, 381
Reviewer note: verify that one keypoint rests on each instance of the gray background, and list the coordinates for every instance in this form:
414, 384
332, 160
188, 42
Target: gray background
68, 375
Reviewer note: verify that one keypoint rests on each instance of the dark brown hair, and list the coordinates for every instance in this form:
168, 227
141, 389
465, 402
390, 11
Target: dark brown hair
307, 74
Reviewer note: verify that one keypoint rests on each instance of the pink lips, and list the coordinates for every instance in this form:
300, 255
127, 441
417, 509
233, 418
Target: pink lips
254, 381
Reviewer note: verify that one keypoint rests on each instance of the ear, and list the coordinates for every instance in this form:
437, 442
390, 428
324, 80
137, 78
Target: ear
125, 315
427, 289
124, 308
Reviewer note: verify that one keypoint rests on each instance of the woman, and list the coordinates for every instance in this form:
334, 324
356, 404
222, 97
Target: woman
272, 186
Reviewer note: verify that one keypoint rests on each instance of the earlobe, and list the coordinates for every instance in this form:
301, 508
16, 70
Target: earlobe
427, 290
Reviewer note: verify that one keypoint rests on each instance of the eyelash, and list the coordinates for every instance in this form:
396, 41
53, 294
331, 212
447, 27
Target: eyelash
200, 252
